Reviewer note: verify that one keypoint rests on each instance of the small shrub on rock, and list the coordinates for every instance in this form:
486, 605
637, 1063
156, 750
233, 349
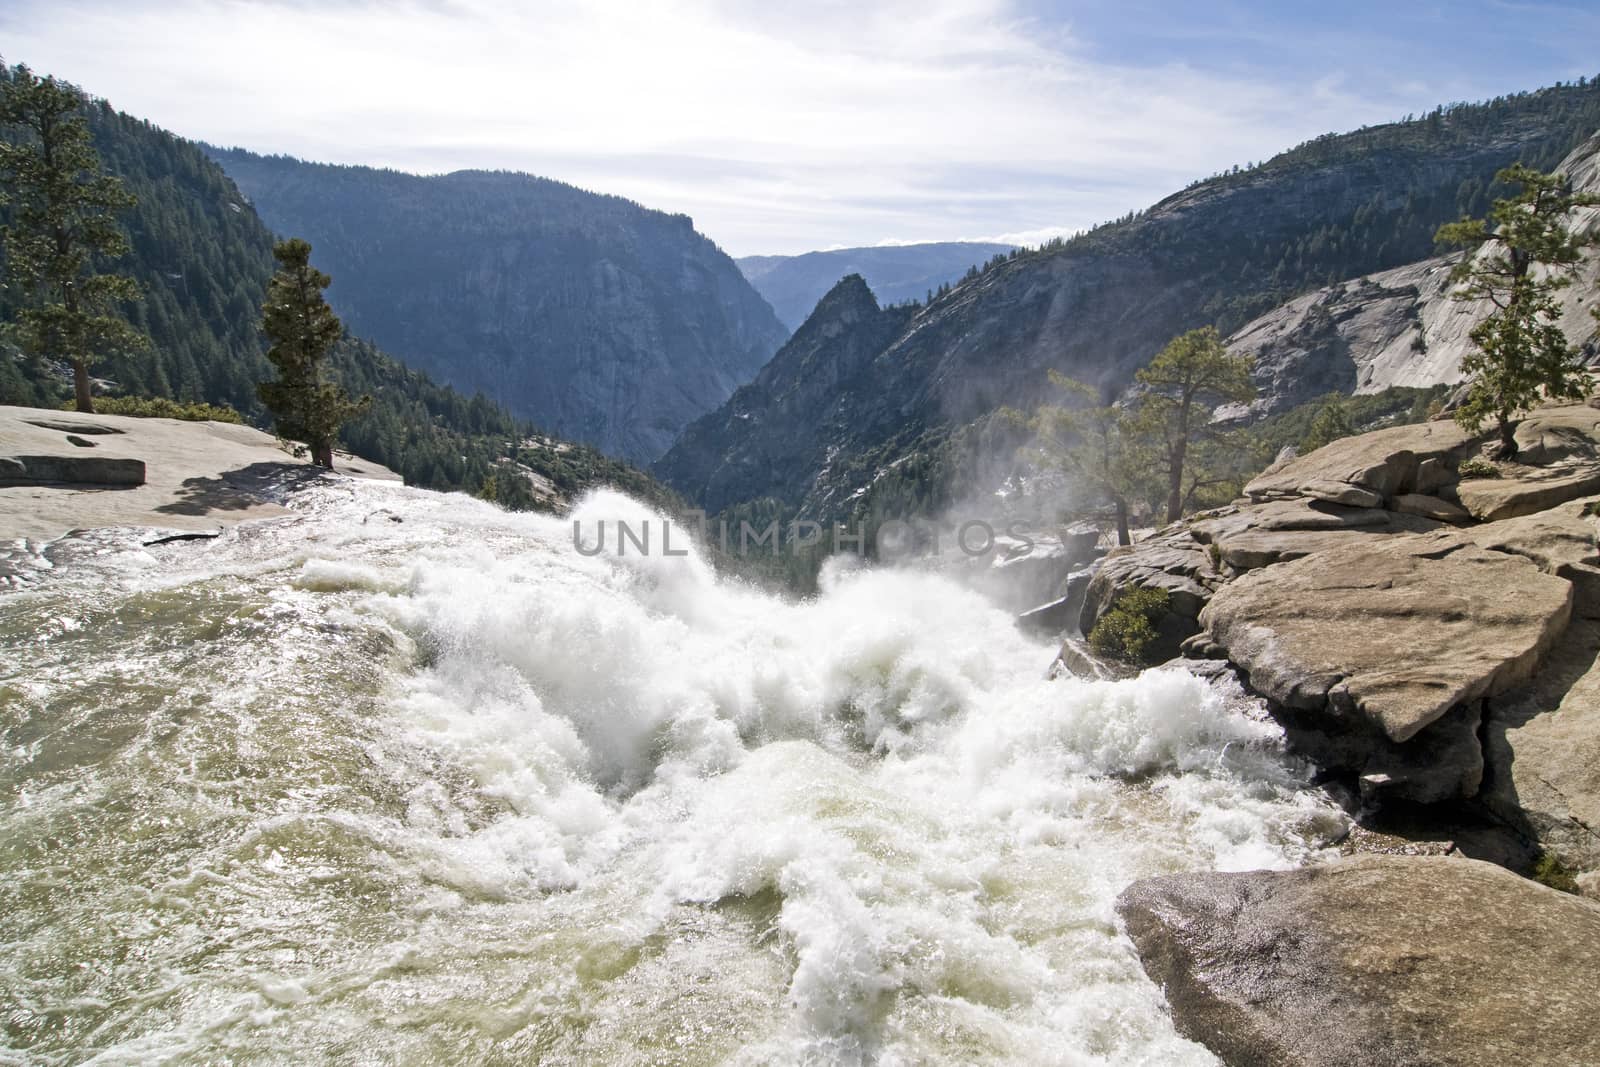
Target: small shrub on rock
1550, 871
1127, 631
159, 407
1478, 468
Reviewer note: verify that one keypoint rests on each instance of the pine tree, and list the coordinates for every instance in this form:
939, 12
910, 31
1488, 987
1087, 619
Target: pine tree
302, 330
1093, 444
1521, 351
1182, 386
62, 220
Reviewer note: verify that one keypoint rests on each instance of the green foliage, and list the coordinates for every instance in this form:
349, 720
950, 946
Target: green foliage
62, 218
160, 407
1099, 449
1521, 352
1128, 629
1478, 468
1331, 423
1307, 427
1182, 386
1549, 870
303, 329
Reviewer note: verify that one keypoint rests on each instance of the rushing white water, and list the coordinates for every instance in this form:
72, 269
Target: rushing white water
443, 789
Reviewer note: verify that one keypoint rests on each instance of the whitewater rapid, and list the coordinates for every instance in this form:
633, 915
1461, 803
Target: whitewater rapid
405, 778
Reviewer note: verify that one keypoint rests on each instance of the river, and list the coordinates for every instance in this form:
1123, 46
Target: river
336, 787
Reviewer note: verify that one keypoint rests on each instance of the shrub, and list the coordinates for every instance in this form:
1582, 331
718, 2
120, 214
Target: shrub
1478, 468
1127, 631
159, 407
1550, 871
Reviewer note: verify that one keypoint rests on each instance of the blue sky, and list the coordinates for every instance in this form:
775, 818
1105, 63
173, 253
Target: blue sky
783, 128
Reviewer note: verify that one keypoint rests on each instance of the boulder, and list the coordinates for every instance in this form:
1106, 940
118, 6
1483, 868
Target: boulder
1430, 507
1172, 560
1542, 743
1368, 469
1524, 491
1278, 530
1369, 645
1049, 618
1381, 960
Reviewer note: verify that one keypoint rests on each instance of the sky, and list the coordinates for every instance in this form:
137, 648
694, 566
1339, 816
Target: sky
786, 127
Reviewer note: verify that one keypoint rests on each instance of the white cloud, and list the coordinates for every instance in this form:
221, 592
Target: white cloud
779, 131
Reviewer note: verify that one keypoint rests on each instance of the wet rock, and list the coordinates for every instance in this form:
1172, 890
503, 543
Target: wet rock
1383, 960
1053, 617
72, 470
1173, 561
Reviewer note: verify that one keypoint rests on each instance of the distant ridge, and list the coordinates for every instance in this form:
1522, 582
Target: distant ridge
601, 320
895, 273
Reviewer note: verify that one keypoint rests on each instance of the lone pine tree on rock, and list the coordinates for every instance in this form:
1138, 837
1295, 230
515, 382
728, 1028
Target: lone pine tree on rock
303, 330
1521, 352
63, 220
1183, 386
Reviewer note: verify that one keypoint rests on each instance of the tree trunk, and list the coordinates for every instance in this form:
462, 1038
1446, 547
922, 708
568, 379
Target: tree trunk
1123, 537
1175, 484
322, 454
1508, 439
80, 386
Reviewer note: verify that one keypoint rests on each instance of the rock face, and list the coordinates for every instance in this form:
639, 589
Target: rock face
1381, 641
828, 356
1395, 327
600, 320
1382, 960
1558, 459
1542, 743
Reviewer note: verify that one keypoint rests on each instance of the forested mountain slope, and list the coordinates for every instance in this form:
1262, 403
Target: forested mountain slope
894, 273
601, 320
202, 259
1098, 306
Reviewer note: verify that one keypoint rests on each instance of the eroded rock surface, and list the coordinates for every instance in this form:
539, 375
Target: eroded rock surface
1380, 640
1543, 748
1378, 960
1370, 469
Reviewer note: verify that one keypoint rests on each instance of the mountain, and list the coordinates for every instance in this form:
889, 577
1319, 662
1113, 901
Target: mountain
895, 273
601, 320
202, 258
1400, 327
1097, 307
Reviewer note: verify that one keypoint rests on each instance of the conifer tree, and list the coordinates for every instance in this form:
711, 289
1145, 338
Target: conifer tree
302, 329
62, 220
1182, 387
1095, 446
1521, 351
